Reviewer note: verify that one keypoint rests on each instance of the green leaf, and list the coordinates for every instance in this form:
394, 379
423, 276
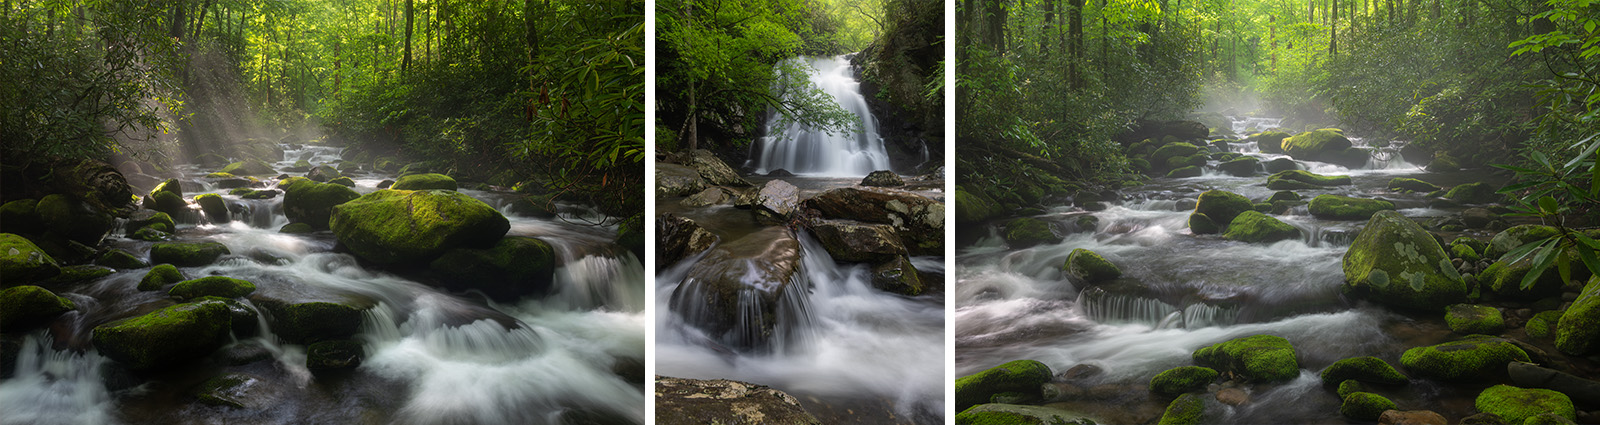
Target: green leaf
1548, 205
1541, 262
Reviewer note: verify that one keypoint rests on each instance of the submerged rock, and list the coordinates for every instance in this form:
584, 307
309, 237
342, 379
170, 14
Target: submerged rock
187, 254
334, 354
1473, 357
694, 402
164, 337
1411, 417
1265, 358
1584, 392
399, 226
1516, 405
229, 390
1396, 263
1023, 376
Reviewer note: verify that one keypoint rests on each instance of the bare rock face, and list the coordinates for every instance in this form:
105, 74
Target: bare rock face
918, 220
693, 401
741, 292
677, 180
711, 168
678, 238
858, 242
775, 202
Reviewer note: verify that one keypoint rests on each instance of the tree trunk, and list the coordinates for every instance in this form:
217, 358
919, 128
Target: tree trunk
1272, 35
201, 22
1333, 30
178, 17
1049, 16
1075, 22
405, 64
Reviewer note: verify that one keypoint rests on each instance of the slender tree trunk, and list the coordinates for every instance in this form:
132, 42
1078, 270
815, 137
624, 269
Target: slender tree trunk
1049, 17
201, 22
1333, 30
178, 18
1075, 21
1272, 34
405, 64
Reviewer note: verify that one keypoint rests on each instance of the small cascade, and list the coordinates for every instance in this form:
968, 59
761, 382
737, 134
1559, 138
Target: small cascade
55, 387
1110, 308
1246, 125
809, 151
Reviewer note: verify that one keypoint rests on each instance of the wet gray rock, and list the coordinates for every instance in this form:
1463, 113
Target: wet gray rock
693, 401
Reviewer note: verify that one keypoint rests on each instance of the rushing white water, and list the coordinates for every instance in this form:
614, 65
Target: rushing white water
443, 358
808, 151
858, 340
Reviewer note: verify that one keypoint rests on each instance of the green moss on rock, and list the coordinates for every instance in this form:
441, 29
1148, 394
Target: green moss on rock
1474, 319
1365, 406
429, 181
398, 226
80, 272
1184, 172
1255, 227
1182, 379
296, 228
972, 207
1470, 358
1200, 224
1269, 141
21, 261
1473, 193
1284, 195
1578, 331
159, 276
218, 286
120, 259
71, 218
1543, 324
313, 203
1410, 184
252, 167
150, 219
1187, 409
1505, 280
1393, 261
1324, 145
1336, 207
313, 321
1024, 376
215, 208
1265, 358
1516, 405
1025, 232
1222, 206
19, 217
169, 336
1364, 369
1349, 386
1090, 266
187, 254
516, 266
25, 306
1284, 180
1173, 150
342, 181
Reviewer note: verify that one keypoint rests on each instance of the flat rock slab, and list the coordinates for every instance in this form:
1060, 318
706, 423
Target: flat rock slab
692, 401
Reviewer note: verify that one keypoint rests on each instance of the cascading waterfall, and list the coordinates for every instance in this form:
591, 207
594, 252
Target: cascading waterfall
432, 357
805, 150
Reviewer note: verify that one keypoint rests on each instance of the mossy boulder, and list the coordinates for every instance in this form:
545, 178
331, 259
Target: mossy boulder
1578, 331
1474, 193
74, 219
80, 272
215, 208
1185, 172
1019, 414
1465, 252
1241, 167
401, 226
1222, 206
1474, 319
1025, 232
1516, 405
120, 259
1255, 227
1543, 324
169, 336
170, 204
1280, 165
1090, 266
217, 286
323, 173
899, 276
257, 194
296, 228
1262, 358
973, 207
22, 307
21, 261
187, 254
1200, 224
1173, 150
251, 167
1509, 239
1182, 379
1269, 141
1023, 376
1336, 207
1348, 387
1365, 406
1302, 179
1443, 163
515, 266
1474, 357
309, 322
1324, 145
312, 203
1364, 369
1505, 280
19, 217
159, 276
334, 354
429, 181
1284, 195
1394, 262
1412, 185
1187, 409
342, 181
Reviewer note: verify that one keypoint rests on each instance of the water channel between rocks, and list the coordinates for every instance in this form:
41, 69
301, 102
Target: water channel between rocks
432, 356
1180, 292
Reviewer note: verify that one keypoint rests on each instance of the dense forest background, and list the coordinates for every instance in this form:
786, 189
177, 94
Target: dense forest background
1052, 83
543, 95
718, 63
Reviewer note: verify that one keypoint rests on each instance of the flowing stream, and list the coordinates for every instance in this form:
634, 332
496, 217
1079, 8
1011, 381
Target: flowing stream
432, 356
1181, 292
808, 151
